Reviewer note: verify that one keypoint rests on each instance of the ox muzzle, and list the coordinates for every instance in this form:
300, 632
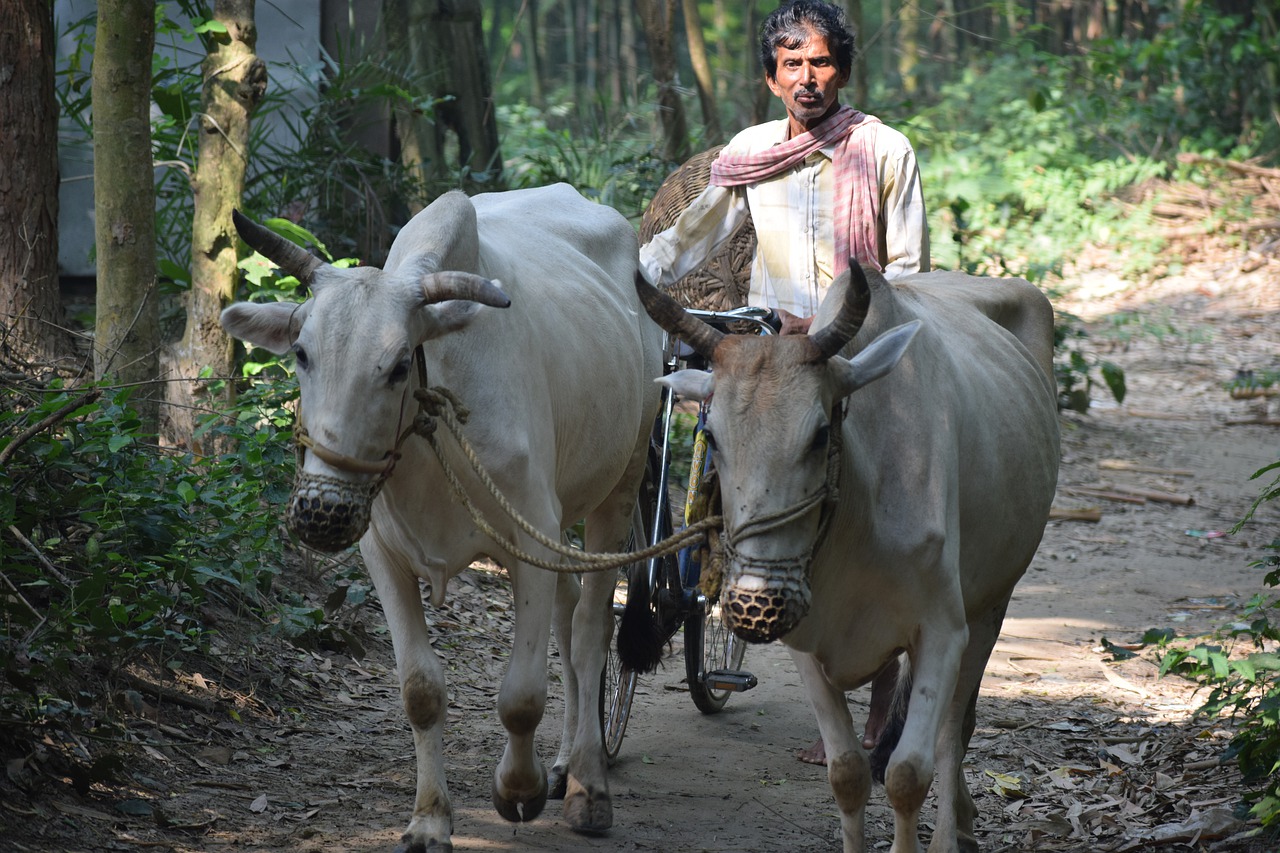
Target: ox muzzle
764, 600
327, 513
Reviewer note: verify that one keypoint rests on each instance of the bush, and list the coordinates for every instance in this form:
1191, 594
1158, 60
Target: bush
1246, 686
114, 549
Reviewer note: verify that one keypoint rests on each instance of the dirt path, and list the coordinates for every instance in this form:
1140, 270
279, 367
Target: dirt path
1072, 752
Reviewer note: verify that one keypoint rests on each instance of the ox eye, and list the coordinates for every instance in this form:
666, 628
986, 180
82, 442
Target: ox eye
300, 355
821, 438
709, 438
399, 373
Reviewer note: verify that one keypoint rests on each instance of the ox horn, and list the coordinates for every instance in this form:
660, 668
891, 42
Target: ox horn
290, 257
668, 314
831, 338
451, 284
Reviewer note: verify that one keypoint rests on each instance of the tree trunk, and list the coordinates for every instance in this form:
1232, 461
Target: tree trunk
444, 42
235, 80
755, 71
861, 91
31, 317
627, 49
537, 91
657, 17
908, 48
702, 72
126, 334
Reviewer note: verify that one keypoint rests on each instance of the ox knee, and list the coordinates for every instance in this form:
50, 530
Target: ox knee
907, 781
521, 716
424, 700
850, 776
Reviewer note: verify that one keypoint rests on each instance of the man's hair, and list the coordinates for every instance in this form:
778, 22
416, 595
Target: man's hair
793, 23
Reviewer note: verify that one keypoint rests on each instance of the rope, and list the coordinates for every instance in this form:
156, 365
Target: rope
439, 402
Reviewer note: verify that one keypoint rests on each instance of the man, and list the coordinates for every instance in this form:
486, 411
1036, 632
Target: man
825, 184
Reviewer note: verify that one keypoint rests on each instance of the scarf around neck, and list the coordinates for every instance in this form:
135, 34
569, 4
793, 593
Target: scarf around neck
857, 196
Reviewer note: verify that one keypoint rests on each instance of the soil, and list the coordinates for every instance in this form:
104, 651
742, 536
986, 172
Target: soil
281, 748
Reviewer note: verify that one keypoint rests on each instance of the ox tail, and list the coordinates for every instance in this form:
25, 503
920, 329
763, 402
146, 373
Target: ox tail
896, 718
640, 638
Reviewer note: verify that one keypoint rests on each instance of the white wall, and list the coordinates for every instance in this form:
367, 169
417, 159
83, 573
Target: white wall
288, 35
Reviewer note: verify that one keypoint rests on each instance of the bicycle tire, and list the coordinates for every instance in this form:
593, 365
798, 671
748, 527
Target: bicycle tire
709, 645
617, 682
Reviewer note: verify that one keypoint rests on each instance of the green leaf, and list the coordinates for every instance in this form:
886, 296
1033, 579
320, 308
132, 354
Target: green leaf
1113, 375
116, 443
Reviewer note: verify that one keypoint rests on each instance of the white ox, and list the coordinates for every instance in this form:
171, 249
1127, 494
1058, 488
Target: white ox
945, 478
561, 444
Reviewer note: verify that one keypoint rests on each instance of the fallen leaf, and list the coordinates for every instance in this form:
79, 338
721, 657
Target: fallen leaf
259, 805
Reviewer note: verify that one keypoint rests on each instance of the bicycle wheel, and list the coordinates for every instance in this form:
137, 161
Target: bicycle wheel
709, 645
618, 683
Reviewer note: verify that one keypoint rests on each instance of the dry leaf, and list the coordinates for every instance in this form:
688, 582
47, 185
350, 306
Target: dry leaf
259, 805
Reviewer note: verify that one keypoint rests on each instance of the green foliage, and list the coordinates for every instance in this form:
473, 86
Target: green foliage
1078, 370
1008, 191
614, 163
1205, 79
1241, 668
116, 547
315, 169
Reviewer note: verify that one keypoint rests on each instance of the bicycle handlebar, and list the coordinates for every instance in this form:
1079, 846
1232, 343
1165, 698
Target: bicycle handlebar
765, 319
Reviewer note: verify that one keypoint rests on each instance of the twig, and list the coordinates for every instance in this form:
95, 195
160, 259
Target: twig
1125, 465
1105, 494
1158, 496
168, 694
44, 561
1233, 165
25, 603
1091, 514
780, 815
26, 435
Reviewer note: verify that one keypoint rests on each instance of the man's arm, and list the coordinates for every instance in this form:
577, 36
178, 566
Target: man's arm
903, 212
704, 227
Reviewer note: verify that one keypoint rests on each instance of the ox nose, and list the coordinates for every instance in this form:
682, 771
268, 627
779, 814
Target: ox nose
763, 612
326, 513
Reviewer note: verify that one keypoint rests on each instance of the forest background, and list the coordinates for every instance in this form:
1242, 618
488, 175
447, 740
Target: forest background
143, 457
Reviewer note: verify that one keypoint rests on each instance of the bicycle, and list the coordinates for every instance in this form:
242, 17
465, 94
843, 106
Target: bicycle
713, 655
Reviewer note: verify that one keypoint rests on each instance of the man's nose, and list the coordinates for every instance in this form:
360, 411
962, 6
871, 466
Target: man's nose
806, 74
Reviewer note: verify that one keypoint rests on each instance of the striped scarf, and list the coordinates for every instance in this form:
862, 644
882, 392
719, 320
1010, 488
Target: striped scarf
857, 198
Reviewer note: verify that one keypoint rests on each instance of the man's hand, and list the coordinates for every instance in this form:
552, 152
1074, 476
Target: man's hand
793, 325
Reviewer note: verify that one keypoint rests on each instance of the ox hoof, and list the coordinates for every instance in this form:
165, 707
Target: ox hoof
557, 782
417, 845
524, 808
587, 814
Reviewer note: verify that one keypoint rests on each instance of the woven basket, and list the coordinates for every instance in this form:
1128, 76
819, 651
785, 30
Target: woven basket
724, 281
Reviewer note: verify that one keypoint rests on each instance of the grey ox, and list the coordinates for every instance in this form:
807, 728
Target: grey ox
941, 478
559, 442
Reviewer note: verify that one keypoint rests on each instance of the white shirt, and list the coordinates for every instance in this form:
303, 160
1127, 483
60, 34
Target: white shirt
795, 223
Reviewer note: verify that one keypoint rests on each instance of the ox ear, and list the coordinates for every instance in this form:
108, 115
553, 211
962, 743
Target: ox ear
274, 326
449, 316
690, 384
881, 356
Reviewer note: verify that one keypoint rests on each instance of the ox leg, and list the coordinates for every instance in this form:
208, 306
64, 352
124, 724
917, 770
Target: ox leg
588, 806
422, 691
520, 781
935, 664
568, 592
953, 830
848, 767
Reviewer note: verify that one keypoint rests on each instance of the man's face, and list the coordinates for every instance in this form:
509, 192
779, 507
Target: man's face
808, 82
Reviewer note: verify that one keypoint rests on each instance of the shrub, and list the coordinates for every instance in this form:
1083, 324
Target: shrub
1246, 686
113, 548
